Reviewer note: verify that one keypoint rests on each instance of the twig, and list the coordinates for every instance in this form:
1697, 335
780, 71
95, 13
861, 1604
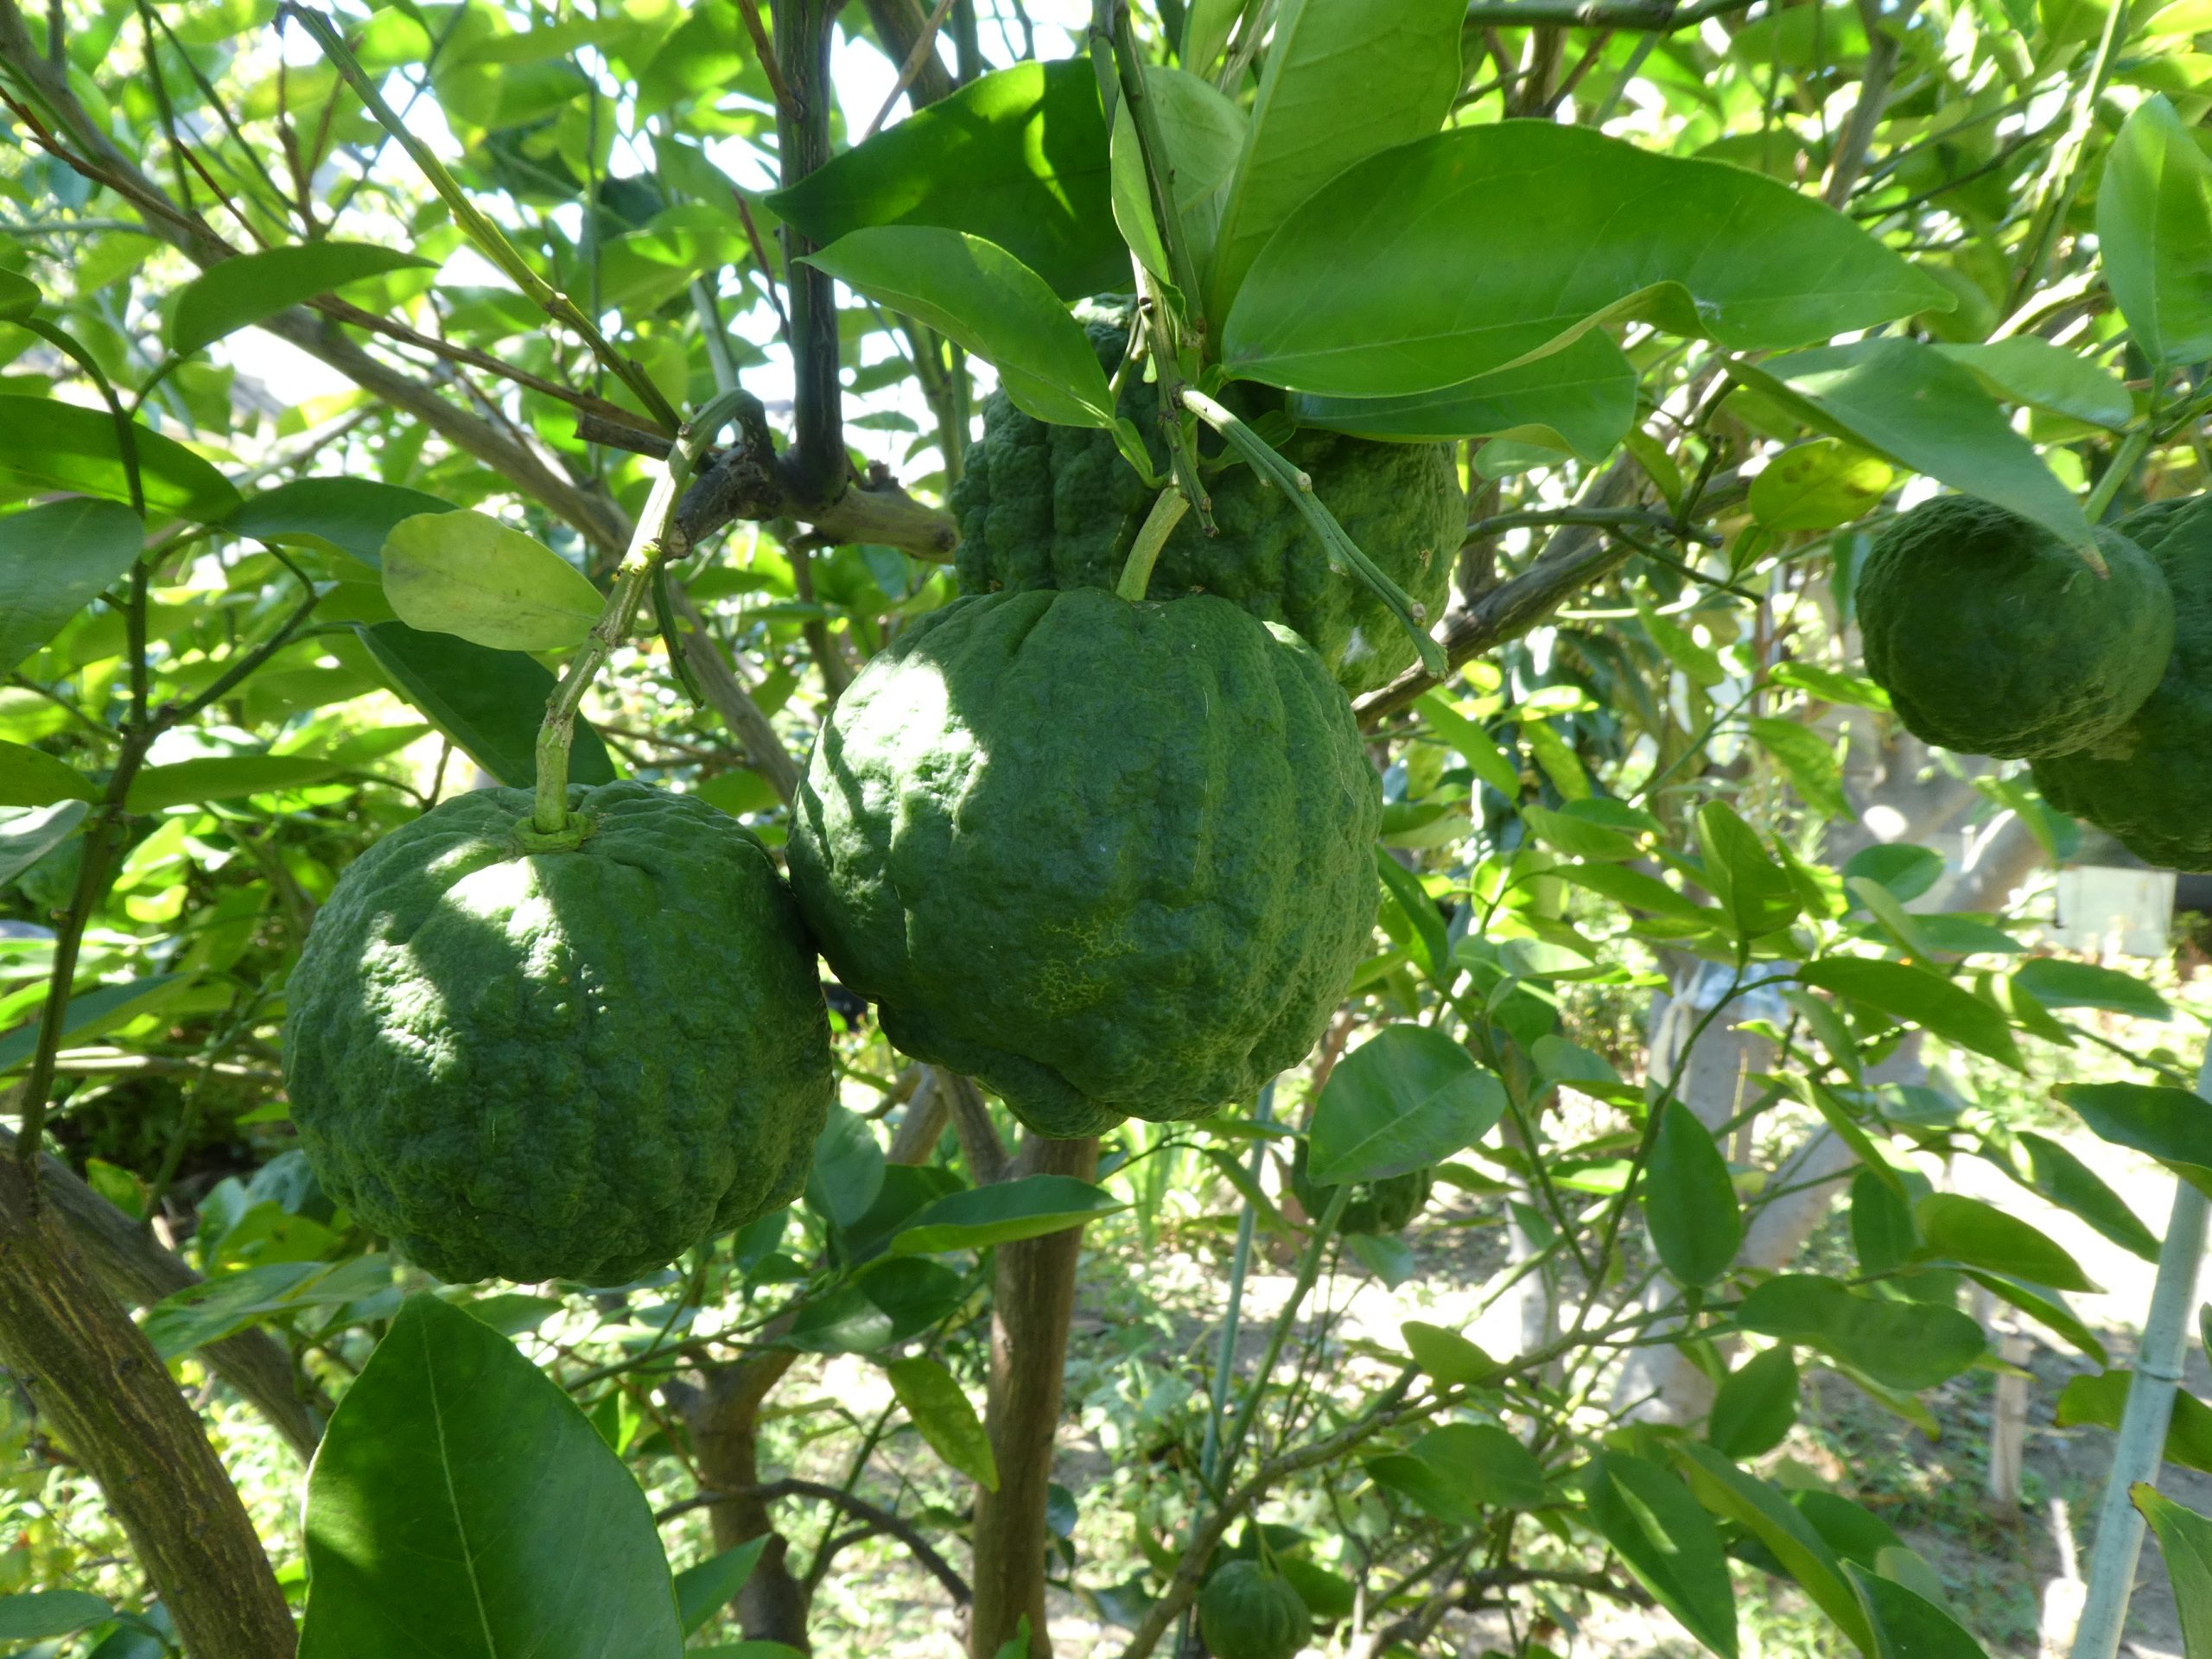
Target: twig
859, 1507
924, 46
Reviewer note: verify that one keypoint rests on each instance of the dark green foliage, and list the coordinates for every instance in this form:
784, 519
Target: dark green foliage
2150, 783
1993, 637
1247, 1612
559, 1064
1384, 1206
1057, 506
1111, 859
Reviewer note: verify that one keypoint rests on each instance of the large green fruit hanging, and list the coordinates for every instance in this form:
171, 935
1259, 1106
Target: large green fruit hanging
570, 1064
2150, 783
1247, 1612
1057, 506
1994, 637
1112, 859
1384, 1206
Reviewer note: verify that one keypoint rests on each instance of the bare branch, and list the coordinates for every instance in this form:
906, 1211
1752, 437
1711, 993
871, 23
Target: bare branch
859, 1509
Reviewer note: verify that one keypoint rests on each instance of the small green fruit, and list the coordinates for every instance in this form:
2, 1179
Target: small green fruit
1247, 1612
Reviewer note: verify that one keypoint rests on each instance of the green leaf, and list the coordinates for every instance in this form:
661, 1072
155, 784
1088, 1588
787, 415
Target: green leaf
2171, 1125
1018, 157
1807, 760
1448, 1357
354, 515
225, 777
1340, 83
19, 296
1956, 1228
1689, 1203
254, 287
2028, 369
2071, 1184
1635, 890
489, 702
31, 777
939, 1409
460, 1505
1578, 838
1665, 1540
1907, 1626
217, 1308
42, 1614
1407, 1097
57, 446
1883, 1235
1479, 749
1581, 399
1909, 402
2050, 1311
55, 560
983, 1215
978, 294
2185, 1540
703, 1591
1699, 665
2099, 1401
29, 836
1755, 1406
2154, 233
90, 1013
2058, 983
1908, 1346
467, 573
1915, 996
1819, 486
1362, 292
1433, 954
1204, 133
1460, 1471
1756, 893
1762, 1511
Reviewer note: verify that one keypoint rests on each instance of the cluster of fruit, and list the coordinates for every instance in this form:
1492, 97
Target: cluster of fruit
1991, 636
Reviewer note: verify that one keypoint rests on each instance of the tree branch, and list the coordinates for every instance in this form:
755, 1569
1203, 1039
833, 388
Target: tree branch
859, 1509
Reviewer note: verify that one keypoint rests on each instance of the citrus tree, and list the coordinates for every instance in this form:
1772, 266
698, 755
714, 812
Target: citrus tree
1261, 582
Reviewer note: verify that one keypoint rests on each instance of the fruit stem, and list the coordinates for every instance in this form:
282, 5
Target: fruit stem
1168, 510
2124, 460
1344, 553
656, 538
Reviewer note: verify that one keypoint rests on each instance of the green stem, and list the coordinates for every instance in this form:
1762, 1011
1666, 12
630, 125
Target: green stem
1309, 1269
2141, 1444
656, 538
2124, 463
1167, 510
1225, 1361
1343, 552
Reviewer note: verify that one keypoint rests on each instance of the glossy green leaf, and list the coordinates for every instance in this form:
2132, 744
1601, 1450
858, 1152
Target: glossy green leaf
1667, 1540
1432, 950
38, 1614
1339, 85
1486, 1465
217, 1308
91, 1013
55, 560
1018, 157
225, 777
1204, 132
57, 446
1819, 486
1808, 761
489, 702
1909, 403
460, 1505
1407, 1097
941, 1411
19, 296
1762, 1511
983, 1215
1756, 893
29, 836
2058, 1175
1908, 1346
2029, 369
1476, 747
1445, 1355
703, 1591
1918, 997
1698, 663
31, 777
1883, 1235
253, 287
1581, 399
2099, 1401
2154, 233
1362, 294
468, 574
354, 515
1907, 1626
2171, 1125
1756, 1405
1689, 1203
1958, 1229
2185, 1540
978, 294
2059, 983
